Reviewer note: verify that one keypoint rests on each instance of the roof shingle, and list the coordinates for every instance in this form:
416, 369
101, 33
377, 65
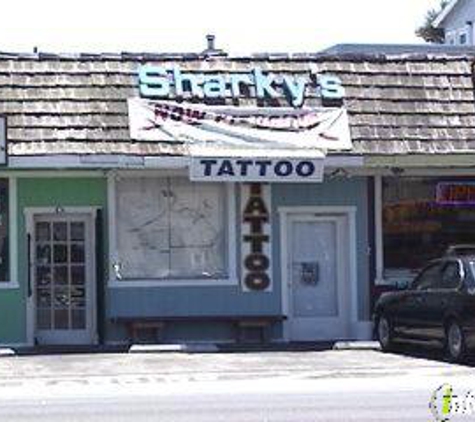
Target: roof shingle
70, 104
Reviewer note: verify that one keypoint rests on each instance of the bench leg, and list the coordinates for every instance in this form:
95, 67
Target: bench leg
238, 333
159, 333
264, 332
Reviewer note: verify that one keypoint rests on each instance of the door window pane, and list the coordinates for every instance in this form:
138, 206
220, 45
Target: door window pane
43, 276
60, 275
61, 319
78, 253
43, 233
43, 254
78, 275
78, 297
43, 298
60, 254
77, 231
43, 319
78, 319
60, 231
61, 297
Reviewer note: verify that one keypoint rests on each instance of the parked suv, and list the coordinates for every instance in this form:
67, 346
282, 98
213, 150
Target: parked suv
438, 305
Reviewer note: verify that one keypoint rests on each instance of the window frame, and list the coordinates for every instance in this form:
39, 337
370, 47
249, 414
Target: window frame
113, 281
461, 273
450, 37
463, 33
12, 282
439, 265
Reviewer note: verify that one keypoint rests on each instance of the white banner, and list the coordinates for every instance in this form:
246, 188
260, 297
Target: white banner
239, 127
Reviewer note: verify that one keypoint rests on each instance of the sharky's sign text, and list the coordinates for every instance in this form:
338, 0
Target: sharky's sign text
157, 82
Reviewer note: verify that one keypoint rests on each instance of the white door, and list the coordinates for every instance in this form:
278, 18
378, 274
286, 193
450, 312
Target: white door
317, 263
63, 278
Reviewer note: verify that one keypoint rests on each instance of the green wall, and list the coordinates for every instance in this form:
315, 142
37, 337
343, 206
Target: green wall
43, 192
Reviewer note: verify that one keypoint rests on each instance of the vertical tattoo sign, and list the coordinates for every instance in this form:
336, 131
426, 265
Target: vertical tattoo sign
256, 237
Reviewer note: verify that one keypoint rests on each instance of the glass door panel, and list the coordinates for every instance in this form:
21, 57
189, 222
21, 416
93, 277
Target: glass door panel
61, 279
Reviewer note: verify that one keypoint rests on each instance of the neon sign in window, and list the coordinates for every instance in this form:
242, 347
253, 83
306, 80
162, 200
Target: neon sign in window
449, 193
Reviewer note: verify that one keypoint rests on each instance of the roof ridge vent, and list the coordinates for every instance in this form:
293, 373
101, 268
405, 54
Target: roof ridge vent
211, 50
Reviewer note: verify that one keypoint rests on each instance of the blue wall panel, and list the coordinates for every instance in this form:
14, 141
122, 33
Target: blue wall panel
338, 192
224, 300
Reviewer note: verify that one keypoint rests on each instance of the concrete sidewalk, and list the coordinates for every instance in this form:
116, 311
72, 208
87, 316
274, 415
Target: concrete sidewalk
222, 366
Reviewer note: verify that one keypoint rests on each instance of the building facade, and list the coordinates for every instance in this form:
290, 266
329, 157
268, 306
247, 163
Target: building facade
200, 191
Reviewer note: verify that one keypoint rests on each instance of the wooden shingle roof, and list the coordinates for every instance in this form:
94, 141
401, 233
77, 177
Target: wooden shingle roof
76, 104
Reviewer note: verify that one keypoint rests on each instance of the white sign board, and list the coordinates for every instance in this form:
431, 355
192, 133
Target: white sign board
256, 237
252, 169
239, 127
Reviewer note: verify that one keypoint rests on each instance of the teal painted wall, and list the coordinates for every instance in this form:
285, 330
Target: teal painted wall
42, 192
12, 316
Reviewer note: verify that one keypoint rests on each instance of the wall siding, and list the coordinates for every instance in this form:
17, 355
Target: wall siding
338, 192
231, 300
42, 192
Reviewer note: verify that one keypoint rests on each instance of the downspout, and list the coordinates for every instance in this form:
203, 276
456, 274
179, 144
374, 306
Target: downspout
470, 33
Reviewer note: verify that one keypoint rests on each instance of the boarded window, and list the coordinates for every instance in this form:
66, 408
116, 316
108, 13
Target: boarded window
170, 228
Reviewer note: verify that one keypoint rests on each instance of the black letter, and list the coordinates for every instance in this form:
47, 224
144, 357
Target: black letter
257, 262
244, 164
257, 281
305, 168
208, 164
283, 168
226, 168
263, 164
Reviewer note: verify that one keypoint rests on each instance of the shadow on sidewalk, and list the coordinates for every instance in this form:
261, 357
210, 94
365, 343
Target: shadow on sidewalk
222, 348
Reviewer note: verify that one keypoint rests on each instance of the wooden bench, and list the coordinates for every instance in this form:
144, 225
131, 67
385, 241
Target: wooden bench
241, 324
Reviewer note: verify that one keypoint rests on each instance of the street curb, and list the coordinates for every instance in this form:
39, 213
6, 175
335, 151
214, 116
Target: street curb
356, 345
174, 348
6, 352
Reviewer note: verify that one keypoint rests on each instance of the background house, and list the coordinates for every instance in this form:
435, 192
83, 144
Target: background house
457, 21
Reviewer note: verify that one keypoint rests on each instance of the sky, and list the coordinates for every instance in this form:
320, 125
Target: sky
240, 26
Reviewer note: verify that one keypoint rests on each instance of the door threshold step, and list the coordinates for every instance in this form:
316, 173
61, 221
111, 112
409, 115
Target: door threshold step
174, 348
356, 345
6, 352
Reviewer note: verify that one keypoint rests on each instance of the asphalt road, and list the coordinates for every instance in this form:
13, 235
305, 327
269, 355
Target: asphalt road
301, 407
262, 387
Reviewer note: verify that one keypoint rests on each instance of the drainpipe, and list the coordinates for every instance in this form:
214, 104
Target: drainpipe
470, 33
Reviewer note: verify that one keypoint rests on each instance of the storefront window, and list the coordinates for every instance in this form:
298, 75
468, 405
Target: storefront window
170, 228
4, 253
422, 217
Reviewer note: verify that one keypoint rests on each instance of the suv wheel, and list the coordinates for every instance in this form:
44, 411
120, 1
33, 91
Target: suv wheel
384, 332
455, 342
